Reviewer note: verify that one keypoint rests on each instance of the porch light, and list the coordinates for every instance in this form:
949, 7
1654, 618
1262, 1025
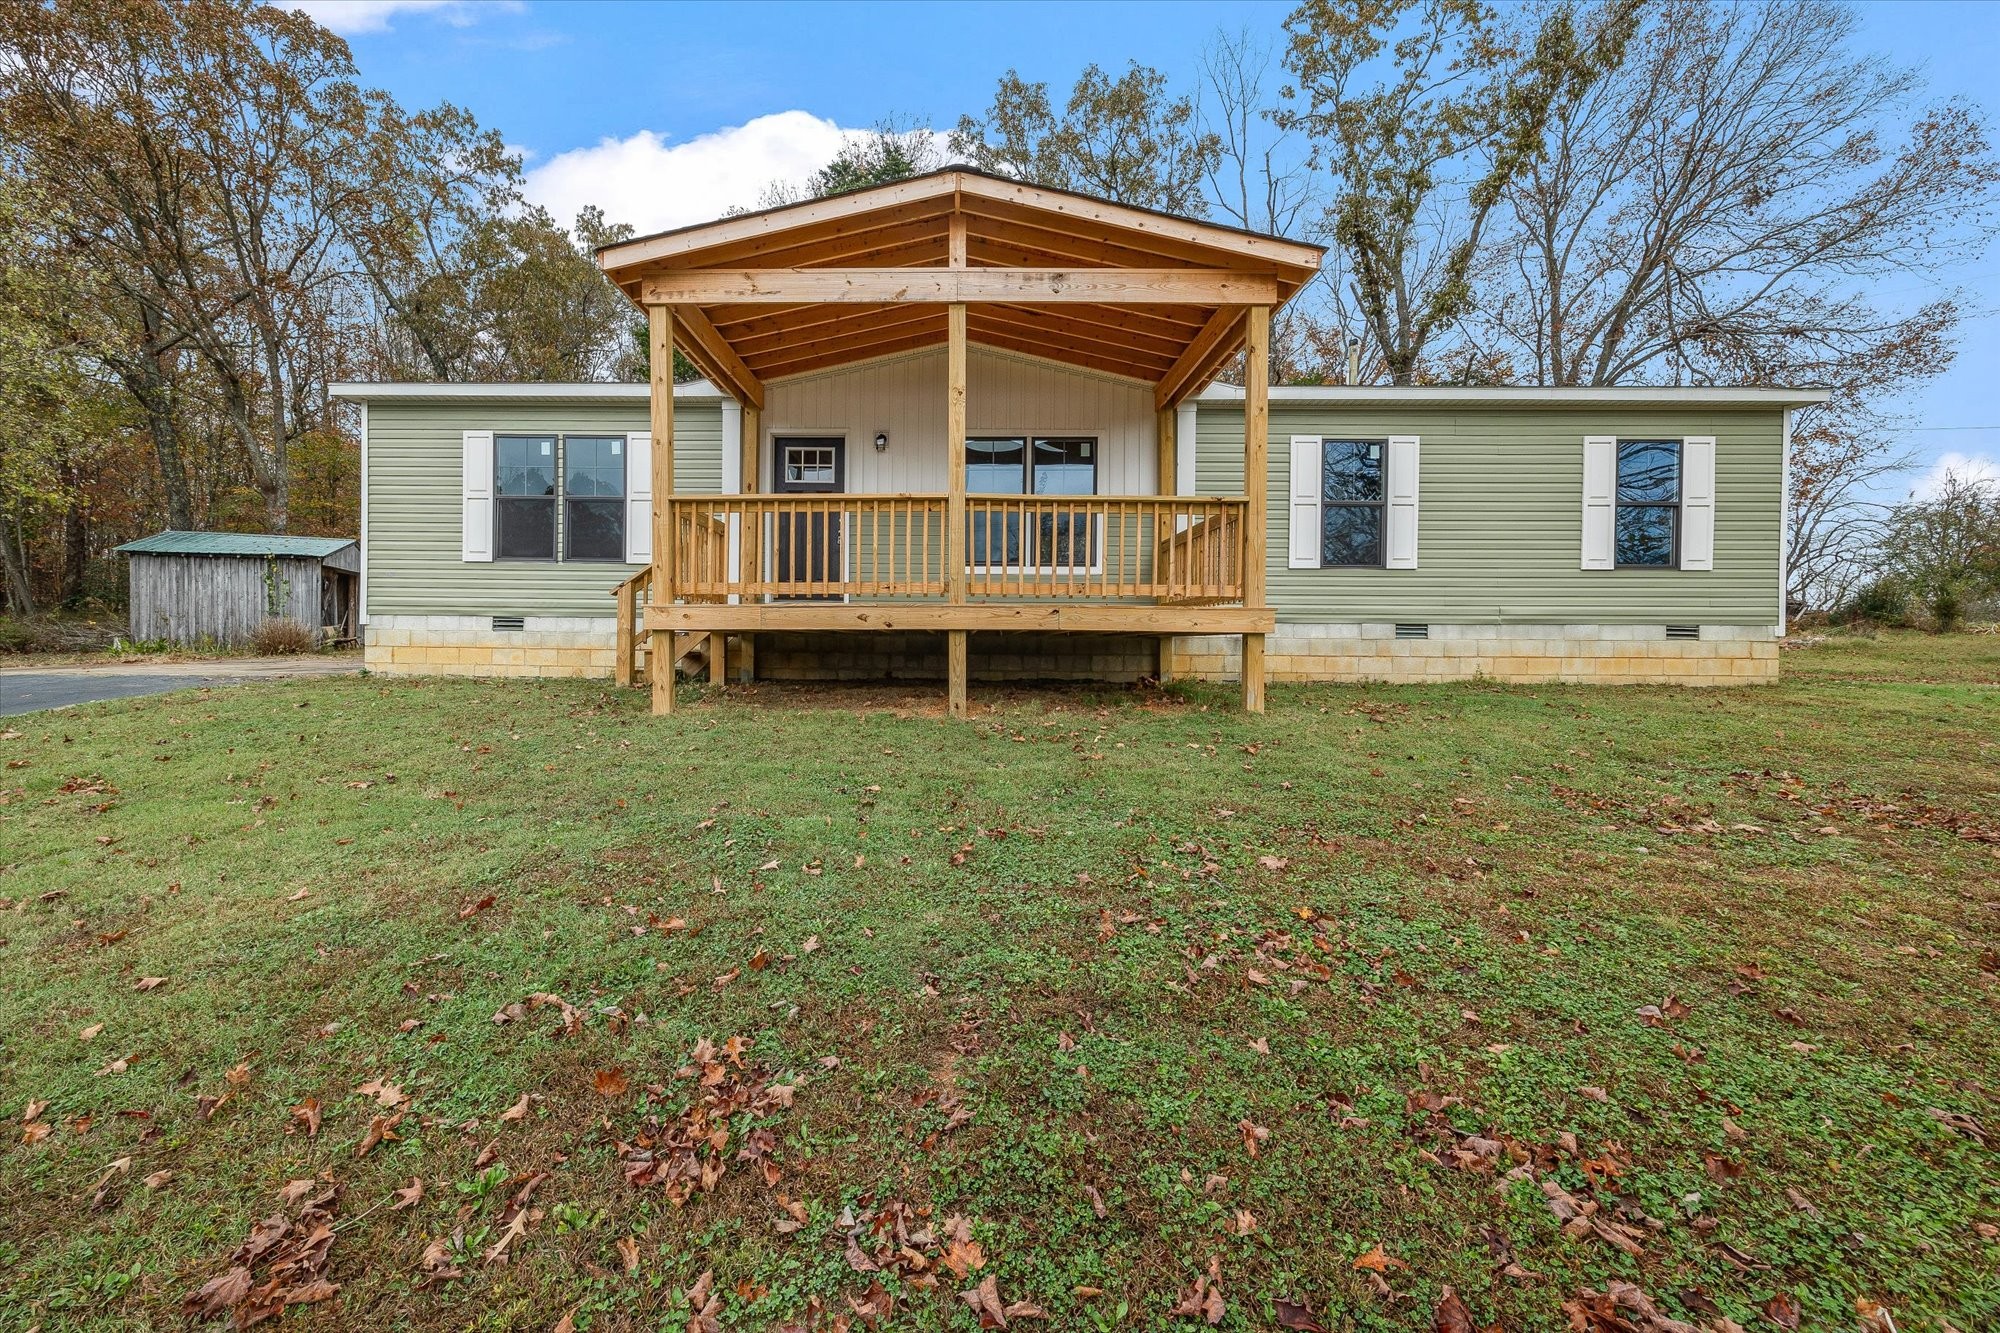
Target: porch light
881, 441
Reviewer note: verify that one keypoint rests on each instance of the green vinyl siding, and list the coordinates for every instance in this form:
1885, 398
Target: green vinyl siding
1500, 516
415, 470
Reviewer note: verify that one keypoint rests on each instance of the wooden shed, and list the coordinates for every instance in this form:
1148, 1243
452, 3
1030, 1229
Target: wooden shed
219, 587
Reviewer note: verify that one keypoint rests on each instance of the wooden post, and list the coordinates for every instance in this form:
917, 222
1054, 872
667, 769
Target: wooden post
955, 520
660, 324
1257, 487
628, 608
750, 537
957, 668
1168, 481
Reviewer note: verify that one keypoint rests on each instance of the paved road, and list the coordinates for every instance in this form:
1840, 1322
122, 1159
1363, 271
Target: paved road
29, 691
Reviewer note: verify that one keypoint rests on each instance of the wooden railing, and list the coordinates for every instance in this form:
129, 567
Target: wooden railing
1178, 550
632, 596
1170, 549
756, 546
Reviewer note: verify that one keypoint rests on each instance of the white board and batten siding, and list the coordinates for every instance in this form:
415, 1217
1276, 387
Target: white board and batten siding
904, 398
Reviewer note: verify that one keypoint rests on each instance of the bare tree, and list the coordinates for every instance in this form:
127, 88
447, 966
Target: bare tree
1722, 204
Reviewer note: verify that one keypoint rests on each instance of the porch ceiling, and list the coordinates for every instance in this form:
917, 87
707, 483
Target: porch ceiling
1095, 284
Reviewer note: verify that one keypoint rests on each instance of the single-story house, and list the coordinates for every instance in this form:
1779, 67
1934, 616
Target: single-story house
963, 427
220, 587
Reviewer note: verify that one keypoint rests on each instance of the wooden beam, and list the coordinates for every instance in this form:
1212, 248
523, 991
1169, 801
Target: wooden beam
738, 380
752, 447
935, 617
955, 240
1128, 286
1185, 376
1257, 487
954, 444
660, 328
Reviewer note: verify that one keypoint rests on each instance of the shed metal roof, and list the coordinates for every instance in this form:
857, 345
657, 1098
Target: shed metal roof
172, 542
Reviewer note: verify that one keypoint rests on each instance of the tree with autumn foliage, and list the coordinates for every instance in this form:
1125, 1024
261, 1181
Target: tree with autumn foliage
242, 223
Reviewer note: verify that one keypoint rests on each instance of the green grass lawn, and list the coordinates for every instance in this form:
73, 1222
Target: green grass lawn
1125, 1002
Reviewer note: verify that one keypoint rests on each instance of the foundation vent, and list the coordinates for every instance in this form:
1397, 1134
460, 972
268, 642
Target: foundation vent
1413, 631
1684, 631
509, 622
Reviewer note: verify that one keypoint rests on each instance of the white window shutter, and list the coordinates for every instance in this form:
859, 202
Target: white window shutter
1401, 477
1698, 502
1600, 502
476, 512
639, 498
1306, 486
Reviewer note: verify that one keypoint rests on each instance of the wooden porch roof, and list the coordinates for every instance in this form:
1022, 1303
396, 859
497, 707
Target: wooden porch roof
830, 281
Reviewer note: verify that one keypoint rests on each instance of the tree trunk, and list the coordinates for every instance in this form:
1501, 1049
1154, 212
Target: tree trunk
76, 540
20, 592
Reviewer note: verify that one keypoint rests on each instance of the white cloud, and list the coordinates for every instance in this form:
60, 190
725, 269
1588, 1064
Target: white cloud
1970, 467
656, 185
352, 17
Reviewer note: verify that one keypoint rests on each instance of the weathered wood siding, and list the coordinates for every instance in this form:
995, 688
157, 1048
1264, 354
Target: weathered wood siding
220, 598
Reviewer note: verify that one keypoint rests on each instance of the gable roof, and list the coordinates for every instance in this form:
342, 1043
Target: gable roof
175, 542
1108, 286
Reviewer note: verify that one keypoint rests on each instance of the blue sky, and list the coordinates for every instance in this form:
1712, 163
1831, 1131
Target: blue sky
669, 113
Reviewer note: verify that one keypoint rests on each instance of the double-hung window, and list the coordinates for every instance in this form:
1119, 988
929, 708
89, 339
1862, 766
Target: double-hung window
1036, 536
524, 491
559, 493
1351, 502
1647, 522
594, 497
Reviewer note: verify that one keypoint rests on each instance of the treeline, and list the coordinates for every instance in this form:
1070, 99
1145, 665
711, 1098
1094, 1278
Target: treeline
206, 218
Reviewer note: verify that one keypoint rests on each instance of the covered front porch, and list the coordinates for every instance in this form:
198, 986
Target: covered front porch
1066, 507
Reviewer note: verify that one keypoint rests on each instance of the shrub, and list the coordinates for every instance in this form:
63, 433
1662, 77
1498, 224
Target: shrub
1885, 601
276, 637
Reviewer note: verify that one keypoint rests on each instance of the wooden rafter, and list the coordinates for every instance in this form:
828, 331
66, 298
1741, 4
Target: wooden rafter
1096, 284
718, 357
1191, 370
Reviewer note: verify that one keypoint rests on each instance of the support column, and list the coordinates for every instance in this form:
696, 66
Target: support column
955, 528
660, 325
1256, 486
1168, 467
750, 535
957, 672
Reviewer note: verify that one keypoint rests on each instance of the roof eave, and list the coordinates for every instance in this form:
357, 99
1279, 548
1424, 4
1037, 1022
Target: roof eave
1552, 396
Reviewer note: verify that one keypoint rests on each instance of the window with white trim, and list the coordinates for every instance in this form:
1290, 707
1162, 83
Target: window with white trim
1352, 499
1647, 523
559, 497
1353, 502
